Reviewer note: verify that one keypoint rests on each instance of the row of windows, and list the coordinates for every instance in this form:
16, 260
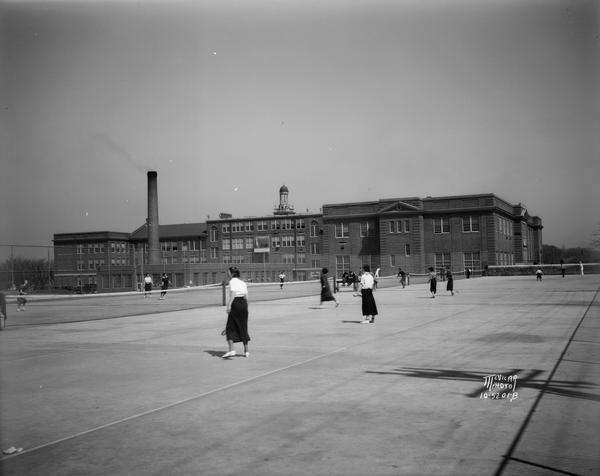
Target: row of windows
287, 224
505, 227
263, 225
186, 245
299, 258
122, 246
440, 225
399, 226
471, 259
94, 264
469, 224
115, 247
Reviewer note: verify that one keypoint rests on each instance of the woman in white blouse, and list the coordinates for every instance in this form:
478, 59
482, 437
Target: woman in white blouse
236, 329
366, 286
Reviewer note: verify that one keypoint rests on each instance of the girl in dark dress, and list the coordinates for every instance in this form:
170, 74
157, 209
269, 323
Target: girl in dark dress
449, 281
236, 329
325, 289
432, 282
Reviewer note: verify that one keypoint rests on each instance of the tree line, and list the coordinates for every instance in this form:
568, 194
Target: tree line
38, 272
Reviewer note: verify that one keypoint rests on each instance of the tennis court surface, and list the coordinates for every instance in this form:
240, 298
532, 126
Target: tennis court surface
501, 378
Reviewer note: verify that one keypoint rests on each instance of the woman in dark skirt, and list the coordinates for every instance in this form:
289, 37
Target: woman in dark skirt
366, 286
236, 329
325, 289
432, 282
449, 281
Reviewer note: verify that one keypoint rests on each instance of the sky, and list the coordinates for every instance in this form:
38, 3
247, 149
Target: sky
341, 101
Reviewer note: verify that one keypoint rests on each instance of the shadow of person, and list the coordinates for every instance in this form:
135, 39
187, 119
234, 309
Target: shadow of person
215, 353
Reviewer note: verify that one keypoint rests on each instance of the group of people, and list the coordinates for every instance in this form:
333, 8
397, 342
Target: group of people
164, 285
447, 272
236, 328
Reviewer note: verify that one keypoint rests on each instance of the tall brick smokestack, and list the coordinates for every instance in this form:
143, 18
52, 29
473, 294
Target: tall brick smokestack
152, 221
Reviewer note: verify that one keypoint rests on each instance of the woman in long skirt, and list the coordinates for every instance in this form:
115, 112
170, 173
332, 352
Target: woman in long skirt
366, 286
449, 281
432, 282
325, 289
236, 329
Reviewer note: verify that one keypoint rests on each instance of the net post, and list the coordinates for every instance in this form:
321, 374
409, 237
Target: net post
223, 288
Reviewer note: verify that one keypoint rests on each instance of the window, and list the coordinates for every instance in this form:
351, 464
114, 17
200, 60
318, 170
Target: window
300, 224
214, 253
261, 226
79, 249
237, 227
226, 244
238, 243
287, 241
315, 248
314, 229
407, 249
287, 259
341, 230
367, 229
342, 264
286, 224
249, 243
393, 226
441, 225
315, 263
226, 227
470, 223
300, 241
472, 259
392, 260
406, 226
276, 242
249, 226
79, 265
442, 260
300, 258
213, 233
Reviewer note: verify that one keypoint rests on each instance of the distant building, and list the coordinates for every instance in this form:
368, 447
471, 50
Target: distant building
462, 231
471, 231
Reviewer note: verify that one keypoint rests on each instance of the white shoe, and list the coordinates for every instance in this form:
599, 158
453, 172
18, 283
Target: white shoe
366, 321
247, 354
231, 353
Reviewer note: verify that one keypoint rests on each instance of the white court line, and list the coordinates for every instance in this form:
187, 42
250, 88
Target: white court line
219, 389
170, 405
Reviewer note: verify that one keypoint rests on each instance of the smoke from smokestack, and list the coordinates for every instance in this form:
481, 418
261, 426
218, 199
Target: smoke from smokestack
152, 220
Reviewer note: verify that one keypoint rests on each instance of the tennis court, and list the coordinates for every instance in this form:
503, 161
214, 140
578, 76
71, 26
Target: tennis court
147, 391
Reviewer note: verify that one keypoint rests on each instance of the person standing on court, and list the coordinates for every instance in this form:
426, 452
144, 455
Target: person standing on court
21, 299
281, 279
236, 329
147, 285
365, 288
538, 274
449, 281
164, 280
402, 276
3, 315
432, 282
326, 294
